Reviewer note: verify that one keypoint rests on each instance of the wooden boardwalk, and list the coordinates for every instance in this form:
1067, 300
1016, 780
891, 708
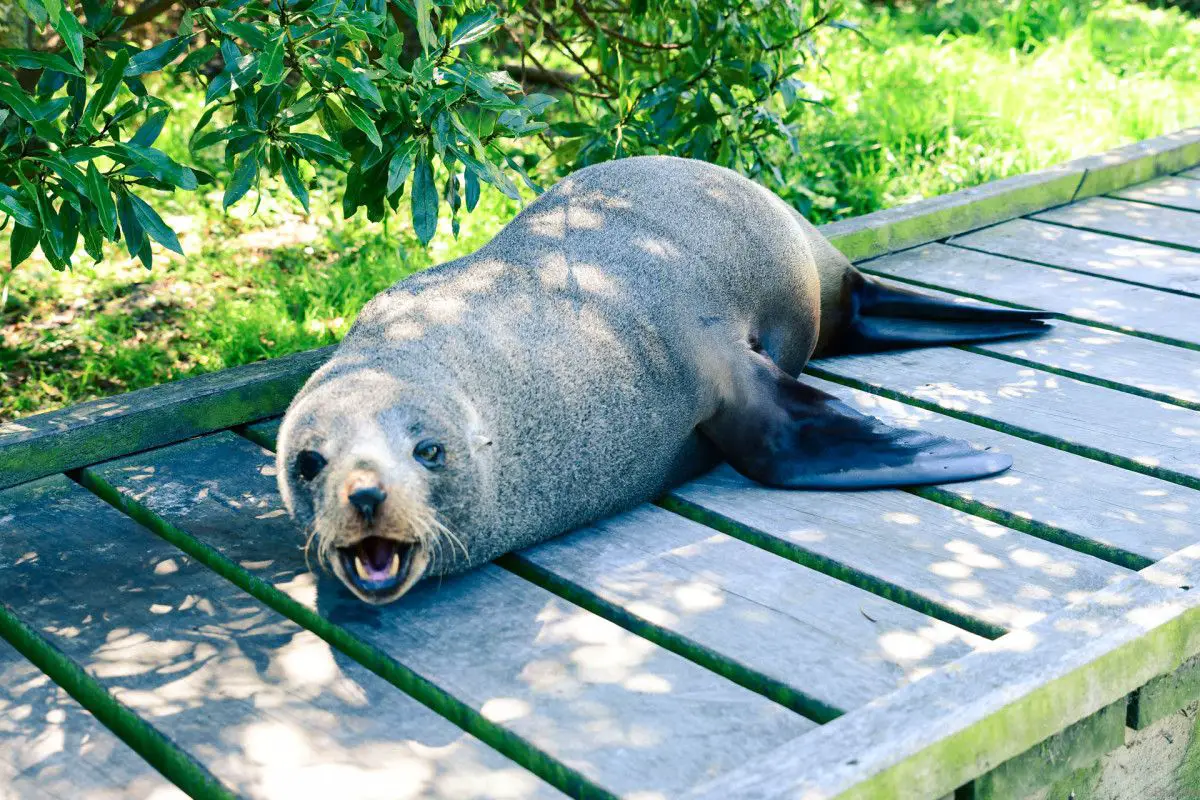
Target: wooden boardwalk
158, 617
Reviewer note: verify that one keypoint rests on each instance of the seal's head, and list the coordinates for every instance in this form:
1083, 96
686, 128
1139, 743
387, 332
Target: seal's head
377, 469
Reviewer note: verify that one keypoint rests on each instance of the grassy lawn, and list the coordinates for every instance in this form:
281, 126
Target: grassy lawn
930, 101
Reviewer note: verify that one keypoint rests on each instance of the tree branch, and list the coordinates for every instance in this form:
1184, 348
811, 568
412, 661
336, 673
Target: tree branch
586, 17
559, 79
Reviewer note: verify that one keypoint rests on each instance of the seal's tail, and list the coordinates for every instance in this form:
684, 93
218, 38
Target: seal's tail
886, 318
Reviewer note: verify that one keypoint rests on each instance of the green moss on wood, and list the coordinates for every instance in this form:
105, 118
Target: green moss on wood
1165, 695
1058, 759
1031, 718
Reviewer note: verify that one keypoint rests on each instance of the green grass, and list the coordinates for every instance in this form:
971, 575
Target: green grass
934, 99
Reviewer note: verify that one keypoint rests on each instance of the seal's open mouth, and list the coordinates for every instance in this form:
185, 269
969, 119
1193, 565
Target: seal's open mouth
377, 565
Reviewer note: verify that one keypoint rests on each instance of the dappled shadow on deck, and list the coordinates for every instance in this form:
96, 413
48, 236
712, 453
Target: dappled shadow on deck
265, 705
610, 704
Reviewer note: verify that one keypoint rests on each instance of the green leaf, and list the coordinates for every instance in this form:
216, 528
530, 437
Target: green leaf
291, 176
93, 236
34, 59
109, 84
424, 199
475, 26
52, 233
10, 203
71, 31
157, 57
472, 192
358, 82
271, 65
35, 10
69, 223
53, 10
67, 172
161, 166
19, 102
232, 132
242, 179
399, 166
317, 145
362, 122
248, 33
50, 110
425, 25
21, 243
218, 87
151, 128
154, 225
101, 197
131, 229
537, 103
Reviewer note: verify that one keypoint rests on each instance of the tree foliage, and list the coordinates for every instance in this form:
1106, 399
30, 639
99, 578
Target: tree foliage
432, 97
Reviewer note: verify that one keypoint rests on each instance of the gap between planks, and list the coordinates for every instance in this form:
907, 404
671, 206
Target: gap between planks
158, 751
1092, 323
1093, 453
1175, 228
1136, 365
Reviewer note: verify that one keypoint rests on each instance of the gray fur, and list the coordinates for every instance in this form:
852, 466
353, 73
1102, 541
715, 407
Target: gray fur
567, 363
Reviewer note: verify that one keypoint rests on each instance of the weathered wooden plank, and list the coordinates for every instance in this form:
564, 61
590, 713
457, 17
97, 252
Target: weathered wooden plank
1064, 496
1084, 251
43, 444
1157, 370
1128, 218
51, 747
1119, 360
263, 704
1169, 191
1134, 432
626, 713
1083, 298
1138, 162
1075, 747
946, 557
946, 215
834, 642
934, 735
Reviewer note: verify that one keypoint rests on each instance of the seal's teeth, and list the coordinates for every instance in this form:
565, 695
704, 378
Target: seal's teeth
394, 566
361, 569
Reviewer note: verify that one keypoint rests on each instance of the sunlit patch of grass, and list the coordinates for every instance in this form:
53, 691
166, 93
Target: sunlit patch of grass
941, 96
954, 94
251, 287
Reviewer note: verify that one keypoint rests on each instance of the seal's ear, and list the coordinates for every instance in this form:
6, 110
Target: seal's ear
783, 433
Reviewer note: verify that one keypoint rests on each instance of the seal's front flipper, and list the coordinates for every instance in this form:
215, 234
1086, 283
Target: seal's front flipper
783, 433
886, 318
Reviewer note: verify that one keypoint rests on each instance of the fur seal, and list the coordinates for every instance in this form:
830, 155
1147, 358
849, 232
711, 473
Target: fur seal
636, 323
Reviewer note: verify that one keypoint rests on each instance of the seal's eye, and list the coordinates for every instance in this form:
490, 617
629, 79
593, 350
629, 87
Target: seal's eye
430, 454
310, 463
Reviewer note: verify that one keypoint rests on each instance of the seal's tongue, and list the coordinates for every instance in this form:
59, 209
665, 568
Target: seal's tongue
377, 559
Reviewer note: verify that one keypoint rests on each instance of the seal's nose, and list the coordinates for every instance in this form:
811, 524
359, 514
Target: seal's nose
366, 500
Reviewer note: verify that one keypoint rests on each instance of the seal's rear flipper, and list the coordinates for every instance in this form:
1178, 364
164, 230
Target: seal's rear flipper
787, 434
886, 318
